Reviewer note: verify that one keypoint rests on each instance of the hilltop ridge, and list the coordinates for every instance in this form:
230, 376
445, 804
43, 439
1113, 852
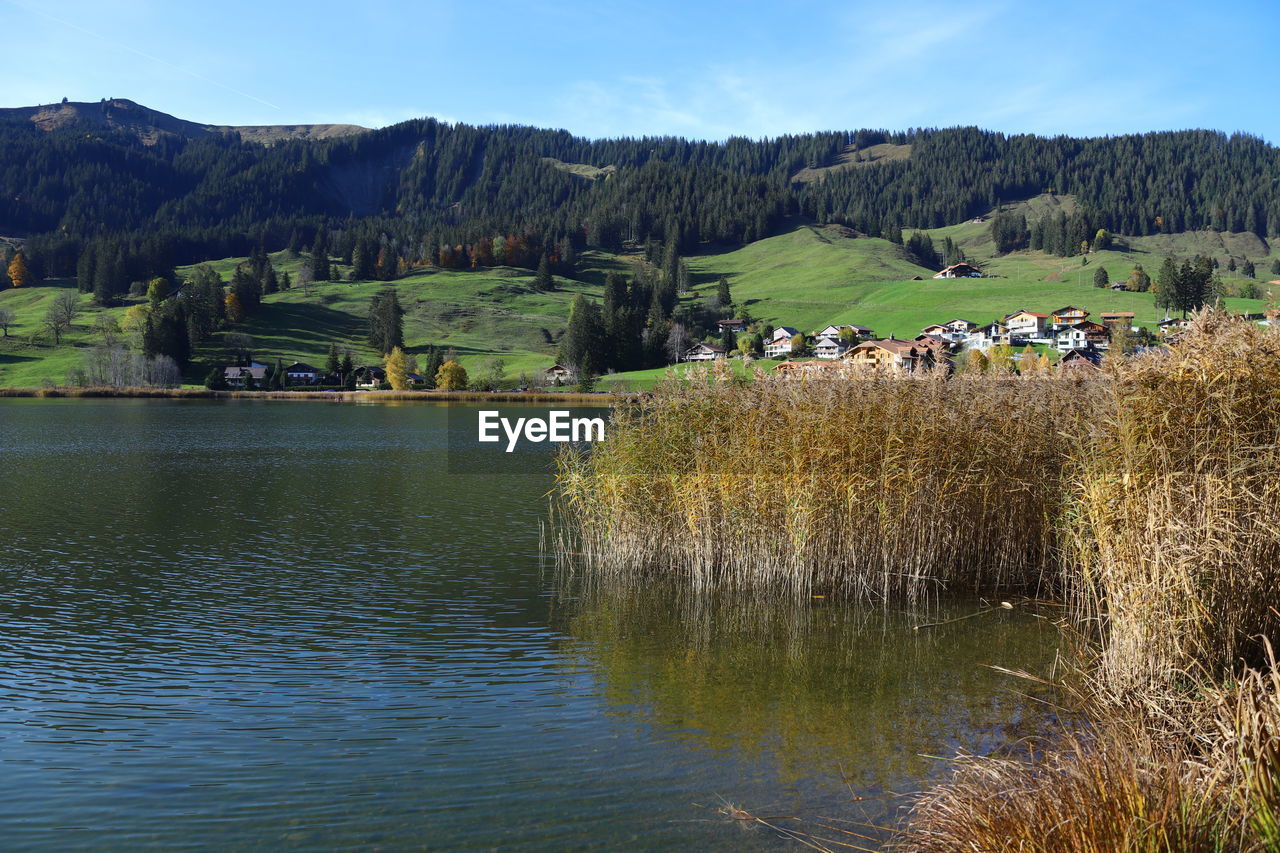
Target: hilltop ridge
149, 125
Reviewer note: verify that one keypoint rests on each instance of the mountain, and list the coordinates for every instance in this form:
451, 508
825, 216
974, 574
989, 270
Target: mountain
168, 191
148, 125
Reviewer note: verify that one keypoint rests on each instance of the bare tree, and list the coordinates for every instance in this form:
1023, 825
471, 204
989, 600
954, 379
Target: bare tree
677, 341
241, 344
6, 320
305, 277
62, 313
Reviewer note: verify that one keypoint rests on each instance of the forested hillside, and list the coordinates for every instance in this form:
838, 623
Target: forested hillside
426, 191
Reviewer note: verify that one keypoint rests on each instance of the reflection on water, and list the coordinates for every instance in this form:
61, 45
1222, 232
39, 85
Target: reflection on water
818, 690
264, 626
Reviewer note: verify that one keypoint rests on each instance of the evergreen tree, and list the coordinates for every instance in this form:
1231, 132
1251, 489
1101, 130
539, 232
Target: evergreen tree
543, 280
386, 321
1101, 278
432, 366
1247, 269
583, 339
332, 364
722, 291
320, 257
278, 379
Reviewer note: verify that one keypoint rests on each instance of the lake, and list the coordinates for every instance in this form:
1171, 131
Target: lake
283, 625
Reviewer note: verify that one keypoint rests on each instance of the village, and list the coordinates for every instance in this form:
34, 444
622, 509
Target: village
1069, 331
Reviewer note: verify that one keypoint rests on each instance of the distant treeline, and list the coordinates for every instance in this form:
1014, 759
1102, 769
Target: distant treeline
426, 191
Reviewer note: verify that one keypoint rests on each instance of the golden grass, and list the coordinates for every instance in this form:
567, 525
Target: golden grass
1138, 778
880, 489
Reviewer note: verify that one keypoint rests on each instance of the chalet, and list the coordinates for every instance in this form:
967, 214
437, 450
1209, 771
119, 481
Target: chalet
1119, 285
1169, 326
936, 329
559, 373
960, 271
416, 378
991, 335
861, 333
1025, 325
937, 343
301, 373
1117, 319
735, 326
829, 348
703, 352
1067, 316
1083, 335
235, 376
779, 343
1075, 359
891, 354
370, 376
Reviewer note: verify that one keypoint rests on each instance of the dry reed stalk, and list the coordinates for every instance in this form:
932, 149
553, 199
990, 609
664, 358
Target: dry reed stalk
877, 488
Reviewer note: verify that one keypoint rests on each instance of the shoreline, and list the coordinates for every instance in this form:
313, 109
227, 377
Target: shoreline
567, 398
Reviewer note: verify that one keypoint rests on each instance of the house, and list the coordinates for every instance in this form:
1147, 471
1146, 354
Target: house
960, 271
370, 376
559, 373
235, 376
1117, 319
1025, 325
1169, 326
1086, 358
1083, 335
416, 378
991, 335
861, 333
1119, 285
735, 326
703, 352
779, 343
937, 343
936, 329
1067, 316
829, 348
891, 354
301, 373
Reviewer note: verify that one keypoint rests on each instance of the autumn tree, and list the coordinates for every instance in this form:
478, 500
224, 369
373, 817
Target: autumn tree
19, 272
451, 377
235, 311
1138, 280
397, 369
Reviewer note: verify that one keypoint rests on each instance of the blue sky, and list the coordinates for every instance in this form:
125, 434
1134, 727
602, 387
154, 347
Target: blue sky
697, 69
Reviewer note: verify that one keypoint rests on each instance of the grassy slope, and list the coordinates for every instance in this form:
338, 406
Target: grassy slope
805, 277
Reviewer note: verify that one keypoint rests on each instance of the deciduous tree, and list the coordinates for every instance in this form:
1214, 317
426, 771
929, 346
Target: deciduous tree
451, 377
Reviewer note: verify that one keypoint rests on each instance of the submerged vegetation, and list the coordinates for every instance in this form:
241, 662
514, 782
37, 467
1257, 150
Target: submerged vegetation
1145, 498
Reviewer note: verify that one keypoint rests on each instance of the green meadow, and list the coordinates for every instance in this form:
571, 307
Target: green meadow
807, 276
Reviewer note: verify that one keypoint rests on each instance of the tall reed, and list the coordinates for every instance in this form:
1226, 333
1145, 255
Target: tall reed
1174, 537
878, 488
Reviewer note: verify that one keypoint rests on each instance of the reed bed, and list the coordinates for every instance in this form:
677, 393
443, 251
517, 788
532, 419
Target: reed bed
1206, 778
881, 488
1175, 533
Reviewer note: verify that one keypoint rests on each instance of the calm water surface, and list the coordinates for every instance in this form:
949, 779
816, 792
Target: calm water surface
260, 626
